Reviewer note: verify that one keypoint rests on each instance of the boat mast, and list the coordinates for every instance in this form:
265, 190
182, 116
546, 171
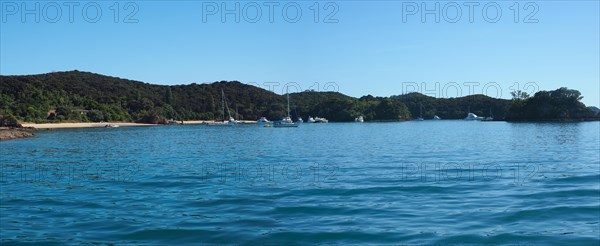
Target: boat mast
228, 111
288, 104
223, 104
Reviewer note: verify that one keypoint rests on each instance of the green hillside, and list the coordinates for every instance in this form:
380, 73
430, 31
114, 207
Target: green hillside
84, 96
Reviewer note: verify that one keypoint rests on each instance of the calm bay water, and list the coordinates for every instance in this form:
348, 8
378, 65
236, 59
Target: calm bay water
431, 182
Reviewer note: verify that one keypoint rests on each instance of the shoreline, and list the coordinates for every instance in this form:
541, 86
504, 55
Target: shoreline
12, 134
78, 125
67, 125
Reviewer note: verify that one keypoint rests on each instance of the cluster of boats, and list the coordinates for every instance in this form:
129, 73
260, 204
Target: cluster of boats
288, 122
263, 121
470, 117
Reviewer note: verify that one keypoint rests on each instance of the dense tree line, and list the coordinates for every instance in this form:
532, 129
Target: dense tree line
454, 108
558, 105
83, 96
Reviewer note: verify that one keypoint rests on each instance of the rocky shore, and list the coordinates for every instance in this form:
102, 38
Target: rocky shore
10, 134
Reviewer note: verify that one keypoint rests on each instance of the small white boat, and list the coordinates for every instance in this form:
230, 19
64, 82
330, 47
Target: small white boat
321, 120
310, 120
111, 126
359, 119
472, 116
172, 122
300, 120
285, 122
262, 120
435, 117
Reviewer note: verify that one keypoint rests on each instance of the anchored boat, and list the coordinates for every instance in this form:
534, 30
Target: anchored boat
286, 121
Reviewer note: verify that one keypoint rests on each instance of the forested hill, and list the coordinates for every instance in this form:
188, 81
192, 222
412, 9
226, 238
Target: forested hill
84, 96
92, 97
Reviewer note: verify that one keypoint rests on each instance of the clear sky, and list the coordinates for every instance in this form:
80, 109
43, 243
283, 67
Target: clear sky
380, 48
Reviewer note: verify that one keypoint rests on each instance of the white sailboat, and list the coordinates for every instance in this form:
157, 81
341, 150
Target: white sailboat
310, 120
421, 114
286, 121
236, 120
231, 121
489, 118
359, 119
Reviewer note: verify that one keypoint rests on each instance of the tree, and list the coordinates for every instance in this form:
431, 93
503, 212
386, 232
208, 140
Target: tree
9, 121
169, 96
560, 104
390, 109
95, 115
519, 95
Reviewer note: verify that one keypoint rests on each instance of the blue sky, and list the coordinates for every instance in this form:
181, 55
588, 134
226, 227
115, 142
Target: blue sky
370, 49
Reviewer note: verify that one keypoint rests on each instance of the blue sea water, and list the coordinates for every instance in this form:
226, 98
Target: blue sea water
408, 183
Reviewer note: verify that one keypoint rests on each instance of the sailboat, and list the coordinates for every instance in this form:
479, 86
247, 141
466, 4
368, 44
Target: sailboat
421, 115
223, 122
286, 121
489, 118
236, 120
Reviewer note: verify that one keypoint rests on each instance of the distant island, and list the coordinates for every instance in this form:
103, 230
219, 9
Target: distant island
76, 96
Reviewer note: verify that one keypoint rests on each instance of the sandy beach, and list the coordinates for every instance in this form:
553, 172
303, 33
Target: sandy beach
80, 125
102, 124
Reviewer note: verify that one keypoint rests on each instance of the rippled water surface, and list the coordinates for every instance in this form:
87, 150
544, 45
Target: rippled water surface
431, 182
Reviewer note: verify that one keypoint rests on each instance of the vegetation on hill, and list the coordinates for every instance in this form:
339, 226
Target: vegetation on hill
562, 104
454, 108
84, 96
